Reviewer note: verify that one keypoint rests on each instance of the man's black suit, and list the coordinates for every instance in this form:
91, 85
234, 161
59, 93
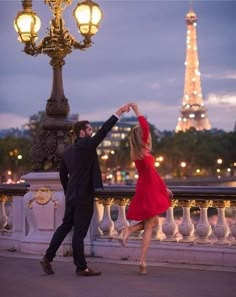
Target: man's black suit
80, 174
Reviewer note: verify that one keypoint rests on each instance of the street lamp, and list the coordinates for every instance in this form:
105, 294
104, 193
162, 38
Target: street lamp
54, 136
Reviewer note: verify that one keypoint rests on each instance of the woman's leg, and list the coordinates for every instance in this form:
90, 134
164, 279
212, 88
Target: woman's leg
147, 234
128, 230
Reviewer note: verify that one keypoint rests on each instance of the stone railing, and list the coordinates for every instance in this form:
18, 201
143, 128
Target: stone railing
198, 228
204, 215
7, 192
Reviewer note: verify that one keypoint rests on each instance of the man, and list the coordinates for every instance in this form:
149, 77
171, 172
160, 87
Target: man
80, 175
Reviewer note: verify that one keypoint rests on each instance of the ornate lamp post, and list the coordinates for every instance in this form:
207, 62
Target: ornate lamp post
57, 44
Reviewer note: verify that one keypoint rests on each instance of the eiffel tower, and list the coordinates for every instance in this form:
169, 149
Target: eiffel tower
193, 111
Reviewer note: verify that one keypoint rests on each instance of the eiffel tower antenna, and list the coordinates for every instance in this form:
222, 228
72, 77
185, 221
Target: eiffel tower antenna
190, 5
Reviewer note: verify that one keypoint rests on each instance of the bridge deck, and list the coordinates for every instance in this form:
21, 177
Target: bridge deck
22, 276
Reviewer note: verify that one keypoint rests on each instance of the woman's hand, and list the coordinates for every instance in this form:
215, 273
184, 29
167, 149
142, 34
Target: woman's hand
122, 109
134, 106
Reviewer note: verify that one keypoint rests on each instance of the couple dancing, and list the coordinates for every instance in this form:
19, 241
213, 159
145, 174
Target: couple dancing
80, 175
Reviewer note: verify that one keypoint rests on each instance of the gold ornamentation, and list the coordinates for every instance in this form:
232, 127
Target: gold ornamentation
42, 197
186, 203
232, 203
5, 198
221, 203
174, 203
108, 201
204, 203
122, 201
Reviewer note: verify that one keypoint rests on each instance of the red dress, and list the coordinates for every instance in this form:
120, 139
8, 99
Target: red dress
151, 196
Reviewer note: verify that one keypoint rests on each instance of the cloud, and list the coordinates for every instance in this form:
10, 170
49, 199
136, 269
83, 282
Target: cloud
226, 99
138, 55
9, 120
224, 75
222, 117
154, 85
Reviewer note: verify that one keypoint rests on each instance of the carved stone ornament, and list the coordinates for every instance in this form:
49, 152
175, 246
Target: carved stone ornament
5, 199
42, 197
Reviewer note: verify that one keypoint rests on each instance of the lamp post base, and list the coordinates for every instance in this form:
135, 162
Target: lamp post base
53, 139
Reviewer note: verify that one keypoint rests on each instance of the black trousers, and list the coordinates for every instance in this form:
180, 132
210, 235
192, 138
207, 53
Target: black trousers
79, 215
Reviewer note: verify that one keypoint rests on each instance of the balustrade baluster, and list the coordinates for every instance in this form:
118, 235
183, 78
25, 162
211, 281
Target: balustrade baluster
233, 226
203, 227
221, 229
106, 224
169, 228
4, 219
186, 228
97, 217
121, 221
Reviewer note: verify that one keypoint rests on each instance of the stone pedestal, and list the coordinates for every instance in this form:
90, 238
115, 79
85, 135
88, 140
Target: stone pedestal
43, 207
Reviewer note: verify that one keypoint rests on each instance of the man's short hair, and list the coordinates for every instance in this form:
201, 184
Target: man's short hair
78, 126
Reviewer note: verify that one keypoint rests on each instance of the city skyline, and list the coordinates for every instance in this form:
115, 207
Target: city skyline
138, 55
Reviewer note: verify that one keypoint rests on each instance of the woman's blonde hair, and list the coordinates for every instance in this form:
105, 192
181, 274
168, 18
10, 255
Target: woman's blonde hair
137, 147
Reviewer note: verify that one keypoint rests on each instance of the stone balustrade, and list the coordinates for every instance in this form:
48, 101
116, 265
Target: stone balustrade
198, 228
196, 225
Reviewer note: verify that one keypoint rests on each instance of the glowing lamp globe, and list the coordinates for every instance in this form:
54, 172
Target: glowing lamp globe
27, 25
88, 16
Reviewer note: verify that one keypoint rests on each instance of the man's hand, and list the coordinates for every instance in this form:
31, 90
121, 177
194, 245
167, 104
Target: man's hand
122, 109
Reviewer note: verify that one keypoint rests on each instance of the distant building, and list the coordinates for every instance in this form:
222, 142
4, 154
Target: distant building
15, 132
73, 117
119, 132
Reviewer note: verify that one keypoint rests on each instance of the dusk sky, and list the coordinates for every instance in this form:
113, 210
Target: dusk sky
138, 55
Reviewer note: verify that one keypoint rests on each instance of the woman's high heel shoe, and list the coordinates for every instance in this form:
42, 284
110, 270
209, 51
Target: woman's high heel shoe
142, 269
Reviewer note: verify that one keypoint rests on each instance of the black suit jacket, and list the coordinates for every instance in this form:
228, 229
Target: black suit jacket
80, 172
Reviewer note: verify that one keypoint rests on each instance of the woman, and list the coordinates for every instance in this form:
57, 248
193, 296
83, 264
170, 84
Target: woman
151, 196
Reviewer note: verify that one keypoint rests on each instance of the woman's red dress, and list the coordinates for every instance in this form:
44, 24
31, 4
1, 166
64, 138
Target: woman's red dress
151, 196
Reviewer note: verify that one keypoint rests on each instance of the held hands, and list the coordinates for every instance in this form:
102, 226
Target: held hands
122, 109
126, 108
135, 108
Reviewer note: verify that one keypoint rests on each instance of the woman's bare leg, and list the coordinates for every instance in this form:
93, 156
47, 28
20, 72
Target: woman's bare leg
128, 230
148, 226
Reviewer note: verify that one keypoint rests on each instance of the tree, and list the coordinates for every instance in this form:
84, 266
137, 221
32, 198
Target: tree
35, 123
14, 156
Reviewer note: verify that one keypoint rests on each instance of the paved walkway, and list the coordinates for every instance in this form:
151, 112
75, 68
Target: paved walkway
23, 277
